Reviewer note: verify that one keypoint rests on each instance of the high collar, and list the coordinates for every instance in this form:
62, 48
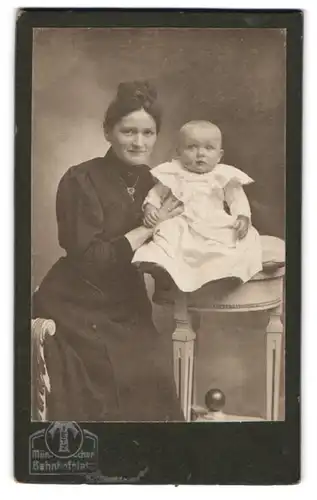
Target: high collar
128, 172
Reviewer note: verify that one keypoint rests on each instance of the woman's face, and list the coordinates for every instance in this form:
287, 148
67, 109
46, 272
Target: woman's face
133, 137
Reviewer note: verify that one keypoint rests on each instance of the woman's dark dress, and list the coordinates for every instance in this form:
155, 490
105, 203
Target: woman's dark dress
106, 361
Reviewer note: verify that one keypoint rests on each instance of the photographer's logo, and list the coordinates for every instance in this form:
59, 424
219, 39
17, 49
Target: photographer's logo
64, 439
63, 448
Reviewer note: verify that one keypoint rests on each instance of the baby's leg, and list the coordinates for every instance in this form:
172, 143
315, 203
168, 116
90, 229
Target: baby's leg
162, 279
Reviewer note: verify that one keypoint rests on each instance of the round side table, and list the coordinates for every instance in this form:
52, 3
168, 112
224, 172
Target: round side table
264, 292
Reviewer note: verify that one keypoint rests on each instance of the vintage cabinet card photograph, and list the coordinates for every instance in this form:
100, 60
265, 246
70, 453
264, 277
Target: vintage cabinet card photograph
158, 172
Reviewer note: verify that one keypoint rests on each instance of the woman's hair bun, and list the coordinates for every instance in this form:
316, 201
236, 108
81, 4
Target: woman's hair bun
140, 90
132, 96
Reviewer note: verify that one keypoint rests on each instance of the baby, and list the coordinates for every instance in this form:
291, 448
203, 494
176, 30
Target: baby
206, 242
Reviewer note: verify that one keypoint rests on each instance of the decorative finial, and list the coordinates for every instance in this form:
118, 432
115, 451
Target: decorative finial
215, 400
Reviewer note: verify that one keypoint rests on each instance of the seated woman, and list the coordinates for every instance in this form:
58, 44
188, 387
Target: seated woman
107, 362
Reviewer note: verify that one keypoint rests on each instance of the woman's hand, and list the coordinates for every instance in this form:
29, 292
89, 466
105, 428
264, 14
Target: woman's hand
151, 215
241, 226
136, 237
170, 208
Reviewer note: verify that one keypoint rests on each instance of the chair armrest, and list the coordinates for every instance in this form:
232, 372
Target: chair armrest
40, 382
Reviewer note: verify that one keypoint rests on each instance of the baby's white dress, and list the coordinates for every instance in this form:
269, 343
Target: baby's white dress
200, 245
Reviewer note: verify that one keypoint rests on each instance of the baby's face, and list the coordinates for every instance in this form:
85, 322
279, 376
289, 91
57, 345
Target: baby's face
200, 148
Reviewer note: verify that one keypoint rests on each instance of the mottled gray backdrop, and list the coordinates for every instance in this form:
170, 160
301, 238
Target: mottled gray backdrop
235, 78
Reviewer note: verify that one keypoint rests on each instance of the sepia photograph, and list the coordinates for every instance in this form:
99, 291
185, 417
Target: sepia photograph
158, 174
158, 224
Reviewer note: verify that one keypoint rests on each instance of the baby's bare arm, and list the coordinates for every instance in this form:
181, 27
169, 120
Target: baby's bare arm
239, 207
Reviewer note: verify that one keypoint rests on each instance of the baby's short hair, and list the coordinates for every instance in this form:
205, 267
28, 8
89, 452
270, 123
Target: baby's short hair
203, 123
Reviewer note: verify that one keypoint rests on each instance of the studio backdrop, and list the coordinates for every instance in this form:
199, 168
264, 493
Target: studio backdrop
235, 78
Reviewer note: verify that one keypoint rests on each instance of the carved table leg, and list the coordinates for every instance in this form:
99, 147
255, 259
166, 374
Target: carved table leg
183, 351
274, 335
195, 319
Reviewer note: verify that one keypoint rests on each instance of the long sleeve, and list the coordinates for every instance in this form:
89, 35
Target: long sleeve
80, 226
237, 200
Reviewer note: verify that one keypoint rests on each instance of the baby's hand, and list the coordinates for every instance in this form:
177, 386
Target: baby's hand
151, 215
241, 226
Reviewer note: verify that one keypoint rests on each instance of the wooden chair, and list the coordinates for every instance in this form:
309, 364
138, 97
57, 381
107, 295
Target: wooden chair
40, 382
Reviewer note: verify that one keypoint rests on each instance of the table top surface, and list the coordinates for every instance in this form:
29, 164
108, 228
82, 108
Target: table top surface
263, 291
